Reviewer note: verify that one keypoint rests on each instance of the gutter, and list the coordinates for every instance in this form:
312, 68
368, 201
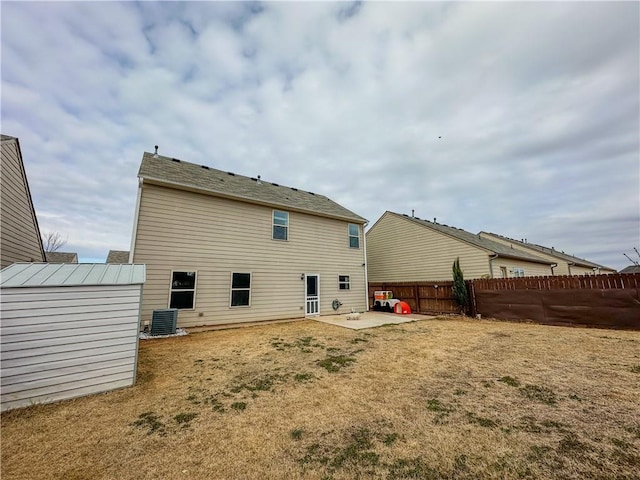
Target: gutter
366, 267
491, 258
241, 198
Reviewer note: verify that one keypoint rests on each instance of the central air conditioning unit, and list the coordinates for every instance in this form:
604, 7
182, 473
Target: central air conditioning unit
163, 322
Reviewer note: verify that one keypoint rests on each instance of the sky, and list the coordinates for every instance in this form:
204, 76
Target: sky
521, 119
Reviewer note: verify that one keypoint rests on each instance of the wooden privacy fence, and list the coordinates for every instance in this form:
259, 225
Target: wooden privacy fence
609, 301
422, 297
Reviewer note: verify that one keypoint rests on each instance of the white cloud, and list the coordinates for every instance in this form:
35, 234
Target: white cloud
519, 118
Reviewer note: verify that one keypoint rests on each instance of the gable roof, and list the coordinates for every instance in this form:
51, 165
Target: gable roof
54, 274
117, 256
9, 139
176, 173
61, 257
462, 235
580, 262
631, 269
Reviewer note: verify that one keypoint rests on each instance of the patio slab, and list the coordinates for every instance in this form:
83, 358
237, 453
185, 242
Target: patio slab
370, 319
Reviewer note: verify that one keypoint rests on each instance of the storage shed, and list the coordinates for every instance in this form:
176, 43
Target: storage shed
67, 330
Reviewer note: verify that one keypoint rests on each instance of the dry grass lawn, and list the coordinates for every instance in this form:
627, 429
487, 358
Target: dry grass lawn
434, 399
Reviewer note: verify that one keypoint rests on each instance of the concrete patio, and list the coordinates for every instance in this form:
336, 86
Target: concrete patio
370, 319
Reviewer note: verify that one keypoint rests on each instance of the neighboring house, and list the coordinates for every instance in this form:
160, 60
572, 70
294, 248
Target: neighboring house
404, 248
118, 256
19, 234
566, 264
631, 269
61, 257
225, 248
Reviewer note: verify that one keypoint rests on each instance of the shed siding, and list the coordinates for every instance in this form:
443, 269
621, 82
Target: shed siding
400, 250
19, 235
63, 342
186, 231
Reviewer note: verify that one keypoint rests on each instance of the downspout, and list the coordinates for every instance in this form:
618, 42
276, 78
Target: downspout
553, 265
569, 267
134, 232
366, 266
491, 258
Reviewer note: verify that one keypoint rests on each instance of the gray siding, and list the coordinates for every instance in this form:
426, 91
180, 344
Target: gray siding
64, 342
187, 231
19, 234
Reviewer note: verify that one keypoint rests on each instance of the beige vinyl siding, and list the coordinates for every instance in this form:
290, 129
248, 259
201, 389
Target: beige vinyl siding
64, 342
563, 267
400, 250
531, 269
19, 235
186, 231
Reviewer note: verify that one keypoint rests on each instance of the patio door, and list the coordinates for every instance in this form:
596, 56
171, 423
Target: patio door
312, 294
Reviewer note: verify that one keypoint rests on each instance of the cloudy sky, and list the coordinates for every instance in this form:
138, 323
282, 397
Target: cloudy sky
517, 118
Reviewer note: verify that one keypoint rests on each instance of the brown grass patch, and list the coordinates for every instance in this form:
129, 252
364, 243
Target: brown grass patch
433, 399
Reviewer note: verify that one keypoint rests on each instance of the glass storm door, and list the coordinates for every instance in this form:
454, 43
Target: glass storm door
312, 294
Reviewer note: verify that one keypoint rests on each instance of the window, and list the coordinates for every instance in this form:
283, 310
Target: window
518, 272
240, 289
280, 225
354, 236
183, 290
343, 282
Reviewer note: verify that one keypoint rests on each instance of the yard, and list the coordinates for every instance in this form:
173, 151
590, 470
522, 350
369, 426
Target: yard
439, 398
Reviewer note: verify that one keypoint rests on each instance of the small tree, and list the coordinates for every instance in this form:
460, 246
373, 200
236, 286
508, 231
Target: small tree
52, 241
459, 287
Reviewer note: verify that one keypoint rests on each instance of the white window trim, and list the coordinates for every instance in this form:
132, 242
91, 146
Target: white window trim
231, 289
347, 283
195, 288
273, 213
349, 236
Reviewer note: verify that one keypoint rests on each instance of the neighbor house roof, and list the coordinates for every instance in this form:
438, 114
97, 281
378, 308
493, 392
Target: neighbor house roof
190, 176
473, 239
61, 257
631, 269
581, 262
67, 275
118, 256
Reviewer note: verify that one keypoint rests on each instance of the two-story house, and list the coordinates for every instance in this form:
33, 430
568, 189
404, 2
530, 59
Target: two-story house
19, 233
224, 248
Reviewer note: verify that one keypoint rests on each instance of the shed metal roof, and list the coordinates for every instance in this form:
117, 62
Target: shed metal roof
70, 274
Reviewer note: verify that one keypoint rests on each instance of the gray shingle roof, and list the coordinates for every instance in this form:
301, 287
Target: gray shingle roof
61, 257
53, 274
493, 247
117, 256
631, 269
177, 173
581, 262
4, 137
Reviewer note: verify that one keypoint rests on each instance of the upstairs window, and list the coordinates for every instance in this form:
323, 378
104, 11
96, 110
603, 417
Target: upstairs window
280, 225
183, 290
240, 289
344, 282
354, 236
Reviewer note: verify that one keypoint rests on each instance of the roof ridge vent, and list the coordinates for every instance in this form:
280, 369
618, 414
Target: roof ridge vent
294, 189
311, 193
275, 184
232, 174
205, 167
175, 160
